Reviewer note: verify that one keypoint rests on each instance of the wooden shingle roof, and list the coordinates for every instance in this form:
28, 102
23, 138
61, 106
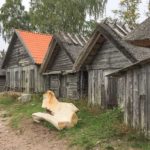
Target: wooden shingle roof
104, 32
141, 32
138, 64
71, 43
36, 45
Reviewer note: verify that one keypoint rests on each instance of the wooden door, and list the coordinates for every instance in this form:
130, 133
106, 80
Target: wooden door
32, 81
63, 86
55, 84
8, 80
111, 92
23, 81
16, 80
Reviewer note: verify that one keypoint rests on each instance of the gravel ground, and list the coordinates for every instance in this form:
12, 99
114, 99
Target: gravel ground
31, 136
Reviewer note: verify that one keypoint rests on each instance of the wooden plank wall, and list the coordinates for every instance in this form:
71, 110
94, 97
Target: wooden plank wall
61, 62
102, 91
134, 96
2, 83
109, 57
96, 89
72, 83
39, 80
65, 86
18, 53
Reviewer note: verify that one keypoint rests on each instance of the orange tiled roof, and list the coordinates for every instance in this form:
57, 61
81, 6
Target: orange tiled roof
36, 44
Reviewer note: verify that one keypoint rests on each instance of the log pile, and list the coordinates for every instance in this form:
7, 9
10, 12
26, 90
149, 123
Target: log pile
60, 114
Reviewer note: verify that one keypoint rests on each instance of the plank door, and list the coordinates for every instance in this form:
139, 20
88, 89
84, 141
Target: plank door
16, 80
55, 84
23, 81
63, 88
8, 80
32, 81
111, 93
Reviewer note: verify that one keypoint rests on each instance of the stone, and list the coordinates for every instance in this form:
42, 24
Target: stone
4, 114
25, 98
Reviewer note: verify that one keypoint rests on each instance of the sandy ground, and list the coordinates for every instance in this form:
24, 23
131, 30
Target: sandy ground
32, 136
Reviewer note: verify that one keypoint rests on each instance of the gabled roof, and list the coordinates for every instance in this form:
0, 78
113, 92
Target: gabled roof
36, 44
142, 32
72, 44
138, 64
104, 32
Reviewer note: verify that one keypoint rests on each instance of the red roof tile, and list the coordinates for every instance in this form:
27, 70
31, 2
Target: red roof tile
36, 44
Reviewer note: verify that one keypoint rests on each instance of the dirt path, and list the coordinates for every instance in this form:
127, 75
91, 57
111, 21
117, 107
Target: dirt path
31, 137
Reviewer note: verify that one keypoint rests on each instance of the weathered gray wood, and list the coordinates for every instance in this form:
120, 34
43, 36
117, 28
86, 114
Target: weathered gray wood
143, 95
136, 98
24, 83
18, 55
98, 90
136, 95
61, 62
109, 57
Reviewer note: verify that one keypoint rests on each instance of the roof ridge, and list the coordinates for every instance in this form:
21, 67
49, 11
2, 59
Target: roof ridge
45, 34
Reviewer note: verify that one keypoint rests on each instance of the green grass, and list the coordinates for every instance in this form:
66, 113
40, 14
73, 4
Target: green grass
95, 128
19, 111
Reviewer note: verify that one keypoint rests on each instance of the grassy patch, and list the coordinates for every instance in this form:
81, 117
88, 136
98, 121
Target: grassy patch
18, 110
93, 126
102, 129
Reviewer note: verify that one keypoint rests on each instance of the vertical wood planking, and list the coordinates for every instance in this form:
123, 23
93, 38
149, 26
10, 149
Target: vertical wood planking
136, 98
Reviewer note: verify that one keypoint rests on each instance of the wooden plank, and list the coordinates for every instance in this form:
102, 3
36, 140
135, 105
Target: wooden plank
128, 103
136, 98
143, 96
89, 87
99, 80
147, 104
92, 88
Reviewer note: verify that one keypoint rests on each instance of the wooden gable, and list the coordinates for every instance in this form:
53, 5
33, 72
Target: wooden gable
60, 61
17, 55
108, 56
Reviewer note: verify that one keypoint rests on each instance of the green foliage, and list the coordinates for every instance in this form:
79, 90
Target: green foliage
18, 111
148, 13
93, 127
6, 101
50, 16
62, 15
128, 12
13, 16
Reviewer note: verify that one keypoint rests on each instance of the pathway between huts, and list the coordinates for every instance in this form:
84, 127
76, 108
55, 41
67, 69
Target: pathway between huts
30, 137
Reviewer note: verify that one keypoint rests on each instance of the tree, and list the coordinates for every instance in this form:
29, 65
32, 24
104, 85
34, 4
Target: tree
128, 12
13, 15
64, 15
148, 13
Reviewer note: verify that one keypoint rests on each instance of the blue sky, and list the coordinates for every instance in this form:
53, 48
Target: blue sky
111, 5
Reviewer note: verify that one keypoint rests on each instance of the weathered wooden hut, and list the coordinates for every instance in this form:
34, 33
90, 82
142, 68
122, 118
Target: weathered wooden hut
2, 72
24, 56
58, 63
104, 53
133, 93
140, 36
